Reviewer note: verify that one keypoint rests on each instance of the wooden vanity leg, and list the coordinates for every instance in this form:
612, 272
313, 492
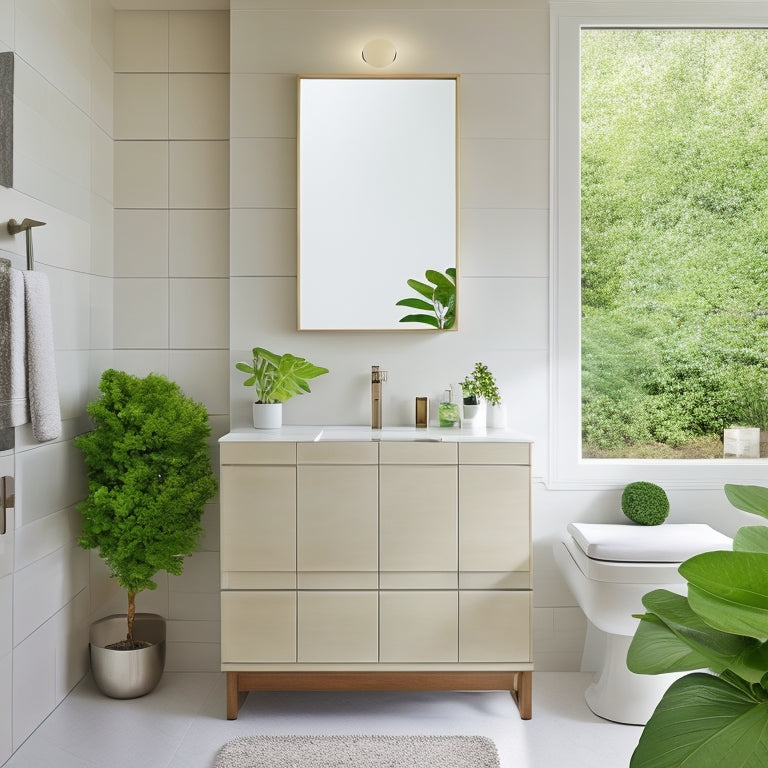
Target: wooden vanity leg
235, 697
523, 694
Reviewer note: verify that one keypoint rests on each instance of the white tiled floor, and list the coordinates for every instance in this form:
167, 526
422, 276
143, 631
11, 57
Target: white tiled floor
182, 724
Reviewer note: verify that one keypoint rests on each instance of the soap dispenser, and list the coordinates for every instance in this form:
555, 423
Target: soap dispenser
448, 411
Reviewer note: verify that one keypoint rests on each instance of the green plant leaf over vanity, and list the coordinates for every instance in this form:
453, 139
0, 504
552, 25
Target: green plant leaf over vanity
277, 378
718, 719
439, 300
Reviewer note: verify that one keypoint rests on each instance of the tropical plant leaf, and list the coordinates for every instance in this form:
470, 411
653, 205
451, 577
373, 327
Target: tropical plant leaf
672, 638
737, 576
656, 650
749, 498
440, 296
415, 304
751, 538
422, 288
428, 319
276, 378
439, 279
703, 721
728, 615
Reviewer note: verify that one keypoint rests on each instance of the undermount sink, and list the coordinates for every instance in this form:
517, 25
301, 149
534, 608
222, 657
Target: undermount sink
367, 434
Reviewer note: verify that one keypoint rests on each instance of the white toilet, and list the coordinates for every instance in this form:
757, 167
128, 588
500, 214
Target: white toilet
609, 567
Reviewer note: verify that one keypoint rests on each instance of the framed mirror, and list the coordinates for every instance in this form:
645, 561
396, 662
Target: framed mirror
377, 202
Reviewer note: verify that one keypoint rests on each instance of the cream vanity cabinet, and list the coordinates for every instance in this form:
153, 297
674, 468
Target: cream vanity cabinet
375, 565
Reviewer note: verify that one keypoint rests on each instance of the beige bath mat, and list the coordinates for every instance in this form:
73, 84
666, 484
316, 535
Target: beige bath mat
359, 752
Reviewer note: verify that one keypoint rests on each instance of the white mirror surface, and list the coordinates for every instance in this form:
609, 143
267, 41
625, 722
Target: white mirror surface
377, 185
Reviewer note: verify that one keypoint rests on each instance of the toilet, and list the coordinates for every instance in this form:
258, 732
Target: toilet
609, 567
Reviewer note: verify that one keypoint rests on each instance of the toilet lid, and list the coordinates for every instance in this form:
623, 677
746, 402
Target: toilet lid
666, 543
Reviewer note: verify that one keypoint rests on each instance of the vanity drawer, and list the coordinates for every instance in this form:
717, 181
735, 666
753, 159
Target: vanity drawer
417, 453
258, 453
258, 627
494, 453
361, 452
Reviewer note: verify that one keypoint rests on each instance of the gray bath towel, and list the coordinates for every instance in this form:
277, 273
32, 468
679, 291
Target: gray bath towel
13, 378
42, 387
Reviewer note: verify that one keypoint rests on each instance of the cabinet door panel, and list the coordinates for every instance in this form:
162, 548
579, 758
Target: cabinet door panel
258, 627
338, 511
418, 518
494, 626
418, 626
494, 518
258, 519
338, 627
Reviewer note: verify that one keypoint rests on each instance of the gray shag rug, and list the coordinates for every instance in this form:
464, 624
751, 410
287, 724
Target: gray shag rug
359, 752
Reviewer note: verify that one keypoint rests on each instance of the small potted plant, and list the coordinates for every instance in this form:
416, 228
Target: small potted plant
479, 390
149, 477
275, 379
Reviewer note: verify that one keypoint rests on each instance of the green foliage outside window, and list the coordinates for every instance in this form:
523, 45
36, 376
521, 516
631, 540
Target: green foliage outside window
674, 236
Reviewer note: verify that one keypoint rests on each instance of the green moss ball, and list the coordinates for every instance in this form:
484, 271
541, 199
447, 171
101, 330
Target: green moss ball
645, 503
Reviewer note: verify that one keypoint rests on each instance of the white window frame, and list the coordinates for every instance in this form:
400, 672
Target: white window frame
566, 469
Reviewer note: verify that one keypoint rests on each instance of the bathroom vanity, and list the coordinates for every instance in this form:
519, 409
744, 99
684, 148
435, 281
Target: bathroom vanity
359, 559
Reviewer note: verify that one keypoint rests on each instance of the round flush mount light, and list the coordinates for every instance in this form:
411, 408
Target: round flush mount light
379, 53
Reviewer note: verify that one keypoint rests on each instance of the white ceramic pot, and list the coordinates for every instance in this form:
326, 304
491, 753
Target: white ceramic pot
267, 415
497, 416
474, 417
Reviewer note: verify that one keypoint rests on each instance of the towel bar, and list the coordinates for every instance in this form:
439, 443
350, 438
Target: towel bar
26, 226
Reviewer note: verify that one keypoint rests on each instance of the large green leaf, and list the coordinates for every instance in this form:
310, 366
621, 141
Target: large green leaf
751, 538
672, 638
656, 649
704, 722
750, 498
728, 615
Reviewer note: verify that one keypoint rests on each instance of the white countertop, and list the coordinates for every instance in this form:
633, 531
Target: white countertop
311, 434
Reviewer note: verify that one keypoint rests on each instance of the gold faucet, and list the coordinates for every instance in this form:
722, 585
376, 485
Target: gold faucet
377, 377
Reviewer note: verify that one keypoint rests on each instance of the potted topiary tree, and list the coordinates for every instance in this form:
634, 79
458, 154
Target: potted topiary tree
149, 477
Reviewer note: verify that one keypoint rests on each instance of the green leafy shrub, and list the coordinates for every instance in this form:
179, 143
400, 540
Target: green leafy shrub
480, 385
149, 477
645, 503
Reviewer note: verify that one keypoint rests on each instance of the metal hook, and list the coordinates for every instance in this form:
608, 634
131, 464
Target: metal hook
26, 226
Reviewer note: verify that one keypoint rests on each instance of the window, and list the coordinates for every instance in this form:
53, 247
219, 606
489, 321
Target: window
660, 241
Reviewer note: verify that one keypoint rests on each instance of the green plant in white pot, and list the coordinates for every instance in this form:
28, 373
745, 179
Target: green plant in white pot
479, 390
275, 379
149, 477
715, 719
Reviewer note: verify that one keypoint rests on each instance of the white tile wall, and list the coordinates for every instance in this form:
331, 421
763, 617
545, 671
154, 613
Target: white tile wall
171, 294
199, 106
141, 313
141, 174
199, 243
141, 106
64, 177
199, 174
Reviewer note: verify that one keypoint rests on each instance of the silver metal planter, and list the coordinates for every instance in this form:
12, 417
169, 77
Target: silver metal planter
127, 674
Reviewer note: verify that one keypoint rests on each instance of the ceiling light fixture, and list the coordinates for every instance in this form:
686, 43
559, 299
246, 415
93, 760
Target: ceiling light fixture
379, 53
